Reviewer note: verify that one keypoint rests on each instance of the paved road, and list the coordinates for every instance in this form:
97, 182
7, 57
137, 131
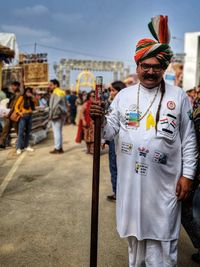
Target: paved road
45, 210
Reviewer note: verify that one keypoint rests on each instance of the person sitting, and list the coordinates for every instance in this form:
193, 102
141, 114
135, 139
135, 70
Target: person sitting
8, 123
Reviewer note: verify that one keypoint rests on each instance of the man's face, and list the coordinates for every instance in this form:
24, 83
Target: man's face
150, 72
14, 88
193, 93
52, 86
92, 97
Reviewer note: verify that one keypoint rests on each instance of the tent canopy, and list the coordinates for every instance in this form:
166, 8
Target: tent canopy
8, 47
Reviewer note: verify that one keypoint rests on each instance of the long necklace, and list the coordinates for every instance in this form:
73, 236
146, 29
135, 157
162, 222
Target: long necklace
138, 104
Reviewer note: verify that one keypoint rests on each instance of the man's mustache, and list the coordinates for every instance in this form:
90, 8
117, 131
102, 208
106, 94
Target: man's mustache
150, 76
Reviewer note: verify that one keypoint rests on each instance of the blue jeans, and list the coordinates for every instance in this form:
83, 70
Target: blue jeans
113, 165
196, 206
57, 126
24, 130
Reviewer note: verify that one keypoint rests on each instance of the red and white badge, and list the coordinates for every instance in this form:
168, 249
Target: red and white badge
171, 105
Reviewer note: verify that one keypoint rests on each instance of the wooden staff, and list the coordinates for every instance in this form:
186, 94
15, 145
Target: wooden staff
1, 67
95, 183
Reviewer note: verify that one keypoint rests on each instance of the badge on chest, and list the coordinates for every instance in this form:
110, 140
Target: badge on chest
132, 117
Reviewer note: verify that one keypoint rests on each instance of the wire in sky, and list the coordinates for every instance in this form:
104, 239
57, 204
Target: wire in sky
76, 52
25, 45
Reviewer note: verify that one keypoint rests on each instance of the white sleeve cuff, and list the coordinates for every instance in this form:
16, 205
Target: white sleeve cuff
188, 173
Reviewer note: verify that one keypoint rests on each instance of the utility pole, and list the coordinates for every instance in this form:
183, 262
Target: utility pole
35, 48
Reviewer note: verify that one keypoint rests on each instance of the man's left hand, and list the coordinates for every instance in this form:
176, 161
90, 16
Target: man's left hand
183, 188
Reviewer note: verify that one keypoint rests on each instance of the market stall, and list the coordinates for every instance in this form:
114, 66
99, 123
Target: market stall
6, 55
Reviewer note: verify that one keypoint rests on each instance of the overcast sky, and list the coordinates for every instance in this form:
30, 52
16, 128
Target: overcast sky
103, 29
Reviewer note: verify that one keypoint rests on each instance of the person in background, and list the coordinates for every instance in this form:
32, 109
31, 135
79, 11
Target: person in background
7, 92
105, 94
191, 207
87, 123
67, 97
196, 103
72, 107
79, 103
84, 96
57, 114
191, 94
42, 101
35, 97
24, 107
115, 88
8, 123
2, 97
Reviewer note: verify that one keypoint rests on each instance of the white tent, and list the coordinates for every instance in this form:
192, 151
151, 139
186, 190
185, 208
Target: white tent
9, 40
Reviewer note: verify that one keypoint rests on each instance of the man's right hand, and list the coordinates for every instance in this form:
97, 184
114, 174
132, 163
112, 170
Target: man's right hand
97, 110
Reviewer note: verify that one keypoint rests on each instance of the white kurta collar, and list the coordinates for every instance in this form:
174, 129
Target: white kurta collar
147, 90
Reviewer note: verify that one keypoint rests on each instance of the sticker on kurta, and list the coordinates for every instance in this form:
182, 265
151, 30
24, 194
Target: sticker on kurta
150, 121
168, 125
160, 157
171, 105
141, 168
132, 117
143, 152
126, 148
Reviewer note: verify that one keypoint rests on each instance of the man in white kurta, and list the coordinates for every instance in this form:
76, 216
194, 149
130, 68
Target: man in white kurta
150, 164
156, 154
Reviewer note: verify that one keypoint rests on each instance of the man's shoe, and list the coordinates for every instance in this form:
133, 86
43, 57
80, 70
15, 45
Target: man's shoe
111, 198
19, 152
2, 146
55, 151
61, 151
196, 257
29, 149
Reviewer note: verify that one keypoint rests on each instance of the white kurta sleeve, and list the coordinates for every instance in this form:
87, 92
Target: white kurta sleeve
188, 140
112, 121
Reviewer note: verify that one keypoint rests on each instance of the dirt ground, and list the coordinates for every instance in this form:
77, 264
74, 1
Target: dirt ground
45, 210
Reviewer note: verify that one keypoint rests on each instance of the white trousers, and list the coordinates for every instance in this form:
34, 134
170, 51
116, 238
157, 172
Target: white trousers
152, 253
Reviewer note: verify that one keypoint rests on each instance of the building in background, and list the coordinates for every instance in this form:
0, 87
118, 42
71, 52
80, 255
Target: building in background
191, 73
174, 73
64, 69
32, 71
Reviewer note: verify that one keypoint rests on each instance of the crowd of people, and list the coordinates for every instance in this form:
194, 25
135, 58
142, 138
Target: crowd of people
194, 96
65, 107
19, 105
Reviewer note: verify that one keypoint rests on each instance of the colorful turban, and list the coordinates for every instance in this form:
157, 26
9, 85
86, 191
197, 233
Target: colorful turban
147, 48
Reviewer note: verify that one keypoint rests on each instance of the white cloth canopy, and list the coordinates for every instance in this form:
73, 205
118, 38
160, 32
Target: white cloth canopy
9, 40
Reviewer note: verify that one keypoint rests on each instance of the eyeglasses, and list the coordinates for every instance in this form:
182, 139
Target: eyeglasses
155, 67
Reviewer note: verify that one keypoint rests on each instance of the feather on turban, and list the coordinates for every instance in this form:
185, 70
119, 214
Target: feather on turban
147, 48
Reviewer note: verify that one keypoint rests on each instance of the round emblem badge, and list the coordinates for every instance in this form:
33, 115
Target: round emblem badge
171, 105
